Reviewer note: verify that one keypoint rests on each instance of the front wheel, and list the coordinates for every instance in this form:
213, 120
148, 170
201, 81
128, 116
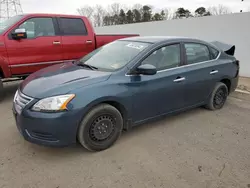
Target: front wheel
1, 90
100, 128
218, 97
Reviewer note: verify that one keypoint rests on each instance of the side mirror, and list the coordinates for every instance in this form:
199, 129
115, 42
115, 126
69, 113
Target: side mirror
146, 69
19, 34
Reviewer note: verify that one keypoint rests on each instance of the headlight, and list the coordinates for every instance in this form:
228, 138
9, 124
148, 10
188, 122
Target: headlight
56, 103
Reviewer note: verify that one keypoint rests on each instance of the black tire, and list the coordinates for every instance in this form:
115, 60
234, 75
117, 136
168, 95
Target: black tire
1, 90
218, 97
100, 128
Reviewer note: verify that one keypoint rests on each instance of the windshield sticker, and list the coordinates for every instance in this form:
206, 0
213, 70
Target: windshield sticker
135, 46
115, 66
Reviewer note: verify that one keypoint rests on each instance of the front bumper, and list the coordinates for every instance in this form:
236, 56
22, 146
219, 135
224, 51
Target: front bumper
48, 129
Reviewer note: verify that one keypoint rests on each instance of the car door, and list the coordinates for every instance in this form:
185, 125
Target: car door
76, 39
41, 48
201, 72
163, 92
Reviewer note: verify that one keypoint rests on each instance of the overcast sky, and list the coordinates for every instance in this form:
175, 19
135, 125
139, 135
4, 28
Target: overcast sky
70, 6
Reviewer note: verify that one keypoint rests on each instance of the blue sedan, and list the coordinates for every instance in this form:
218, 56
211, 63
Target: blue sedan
120, 85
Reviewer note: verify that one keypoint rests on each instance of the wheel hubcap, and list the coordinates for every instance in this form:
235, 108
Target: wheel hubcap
219, 97
102, 128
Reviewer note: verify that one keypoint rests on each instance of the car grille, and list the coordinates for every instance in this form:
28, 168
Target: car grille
21, 101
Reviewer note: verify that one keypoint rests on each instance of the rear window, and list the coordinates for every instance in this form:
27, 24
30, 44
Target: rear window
73, 26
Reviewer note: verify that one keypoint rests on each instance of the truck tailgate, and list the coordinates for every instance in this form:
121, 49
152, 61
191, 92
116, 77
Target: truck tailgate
105, 39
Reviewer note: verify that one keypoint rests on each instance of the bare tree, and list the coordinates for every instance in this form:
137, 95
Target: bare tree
170, 13
167, 13
219, 10
137, 6
86, 11
115, 8
125, 7
99, 13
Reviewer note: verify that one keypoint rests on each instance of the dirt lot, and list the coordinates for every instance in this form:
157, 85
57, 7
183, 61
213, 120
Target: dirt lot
195, 149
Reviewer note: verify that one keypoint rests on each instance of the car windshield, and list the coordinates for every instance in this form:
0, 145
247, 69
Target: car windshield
6, 24
114, 55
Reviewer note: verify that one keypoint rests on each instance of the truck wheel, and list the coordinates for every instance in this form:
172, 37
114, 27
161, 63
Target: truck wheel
1, 90
100, 128
218, 97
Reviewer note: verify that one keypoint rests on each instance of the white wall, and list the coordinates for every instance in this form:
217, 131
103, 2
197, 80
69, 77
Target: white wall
231, 29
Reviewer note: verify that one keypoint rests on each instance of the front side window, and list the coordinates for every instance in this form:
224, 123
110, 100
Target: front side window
38, 27
165, 58
114, 55
73, 26
196, 53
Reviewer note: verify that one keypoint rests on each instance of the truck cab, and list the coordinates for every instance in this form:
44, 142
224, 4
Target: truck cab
31, 42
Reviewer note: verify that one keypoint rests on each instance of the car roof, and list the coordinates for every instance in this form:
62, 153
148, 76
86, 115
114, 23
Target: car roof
157, 39
51, 14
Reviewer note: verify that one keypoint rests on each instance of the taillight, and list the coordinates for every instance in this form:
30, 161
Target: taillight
237, 63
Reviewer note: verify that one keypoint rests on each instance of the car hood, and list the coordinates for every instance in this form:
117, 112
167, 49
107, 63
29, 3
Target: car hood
60, 79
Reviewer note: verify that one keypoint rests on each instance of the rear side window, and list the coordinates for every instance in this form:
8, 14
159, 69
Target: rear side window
214, 53
197, 53
73, 26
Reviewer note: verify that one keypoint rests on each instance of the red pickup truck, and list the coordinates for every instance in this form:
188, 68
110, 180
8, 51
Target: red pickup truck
31, 42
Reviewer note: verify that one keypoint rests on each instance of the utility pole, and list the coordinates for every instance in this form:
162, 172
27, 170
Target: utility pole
9, 8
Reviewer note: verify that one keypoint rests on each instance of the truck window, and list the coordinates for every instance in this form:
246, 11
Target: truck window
73, 26
38, 27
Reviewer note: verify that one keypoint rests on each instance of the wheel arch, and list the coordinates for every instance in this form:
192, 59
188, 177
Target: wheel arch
113, 101
5, 71
1, 73
227, 82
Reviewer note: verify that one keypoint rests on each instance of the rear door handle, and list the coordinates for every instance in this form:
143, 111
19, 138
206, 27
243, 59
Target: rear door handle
56, 42
180, 79
89, 41
214, 72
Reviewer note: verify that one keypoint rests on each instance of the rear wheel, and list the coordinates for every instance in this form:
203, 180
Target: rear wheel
218, 97
100, 128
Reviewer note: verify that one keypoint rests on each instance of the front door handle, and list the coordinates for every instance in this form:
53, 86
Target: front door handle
180, 79
89, 41
56, 42
214, 72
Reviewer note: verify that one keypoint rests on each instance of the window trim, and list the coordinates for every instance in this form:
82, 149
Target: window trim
182, 66
62, 32
129, 73
53, 21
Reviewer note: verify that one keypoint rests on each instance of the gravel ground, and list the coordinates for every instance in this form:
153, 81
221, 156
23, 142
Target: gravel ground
195, 149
